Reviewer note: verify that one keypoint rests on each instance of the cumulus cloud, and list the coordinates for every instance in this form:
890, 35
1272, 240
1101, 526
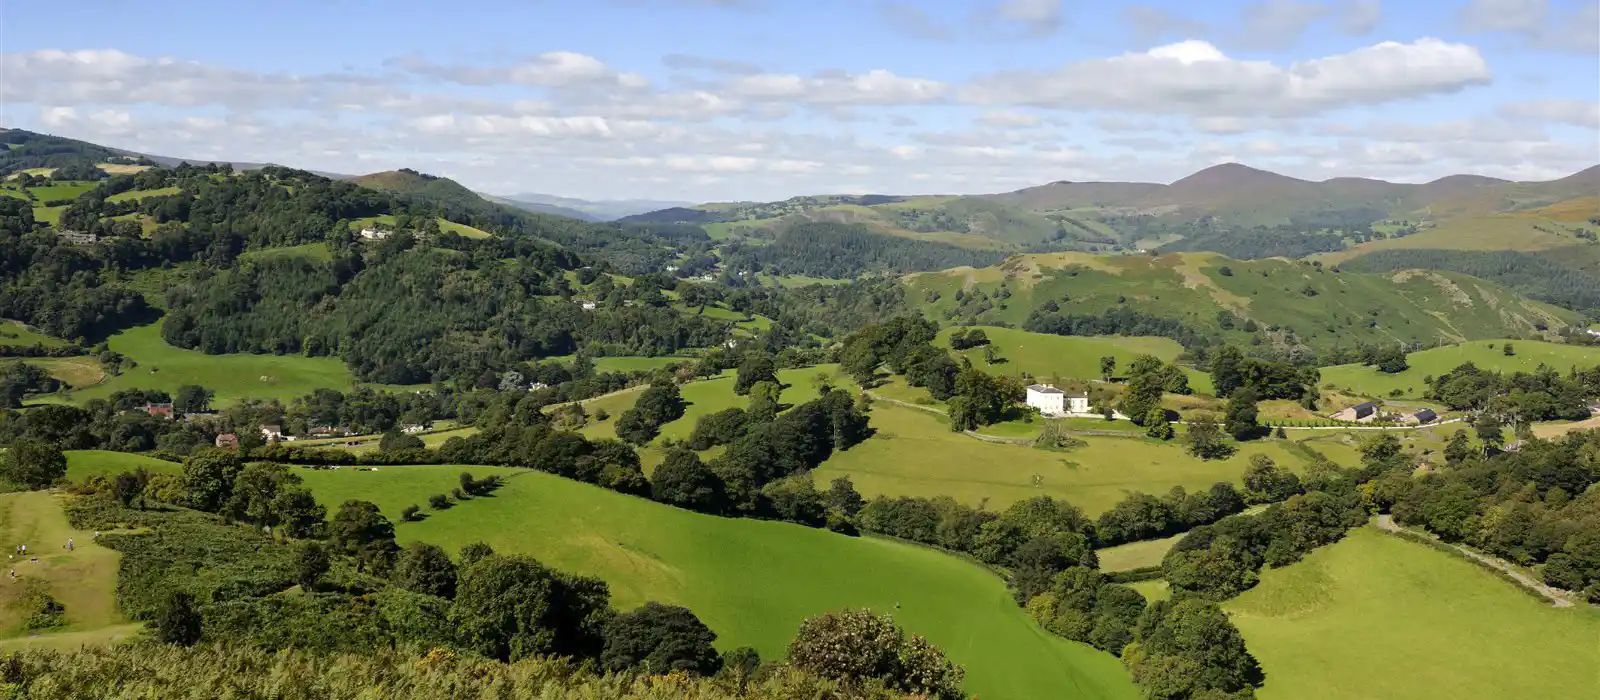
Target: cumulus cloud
1196, 78
875, 87
1505, 15
1150, 23
550, 69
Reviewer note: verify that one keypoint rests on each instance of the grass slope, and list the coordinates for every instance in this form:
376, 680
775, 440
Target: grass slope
1432, 363
232, 377
915, 454
82, 464
752, 581
1446, 629
1325, 309
84, 580
15, 333
1071, 357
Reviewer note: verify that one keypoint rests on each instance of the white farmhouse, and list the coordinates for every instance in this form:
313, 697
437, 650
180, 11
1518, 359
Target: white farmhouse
1049, 400
374, 234
1054, 402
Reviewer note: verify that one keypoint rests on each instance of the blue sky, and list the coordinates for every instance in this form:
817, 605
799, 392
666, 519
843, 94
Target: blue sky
761, 99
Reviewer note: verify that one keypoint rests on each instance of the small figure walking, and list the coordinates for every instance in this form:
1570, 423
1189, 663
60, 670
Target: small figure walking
69, 544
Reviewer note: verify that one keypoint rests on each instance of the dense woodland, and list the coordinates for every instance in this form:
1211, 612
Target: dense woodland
844, 251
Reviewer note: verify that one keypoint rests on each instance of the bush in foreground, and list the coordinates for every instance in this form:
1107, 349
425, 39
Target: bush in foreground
139, 671
862, 649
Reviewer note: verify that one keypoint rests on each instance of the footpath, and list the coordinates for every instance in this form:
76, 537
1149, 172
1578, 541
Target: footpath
1556, 596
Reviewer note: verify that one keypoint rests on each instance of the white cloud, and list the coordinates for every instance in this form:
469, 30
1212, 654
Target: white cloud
1194, 77
1584, 113
875, 87
1150, 23
550, 69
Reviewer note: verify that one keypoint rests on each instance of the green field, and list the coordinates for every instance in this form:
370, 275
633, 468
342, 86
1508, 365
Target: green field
314, 252
48, 215
703, 397
636, 363
1432, 363
444, 225
750, 581
60, 190
141, 194
232, 377
82, 464
1136, 555
84, 580
1377, 616
1047, 357
14, 333
914, 453
77, 372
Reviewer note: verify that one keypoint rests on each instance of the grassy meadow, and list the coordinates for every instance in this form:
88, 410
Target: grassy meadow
1136, 555
914, 453
750, 581
1486, 354
82, 464
14, 333
1048, 356
232, 377
1378, 616
84, 580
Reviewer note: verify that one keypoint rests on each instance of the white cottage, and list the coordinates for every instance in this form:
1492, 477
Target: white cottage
1054, 402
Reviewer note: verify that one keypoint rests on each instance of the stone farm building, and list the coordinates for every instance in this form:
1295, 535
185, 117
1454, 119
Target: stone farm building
1360, 412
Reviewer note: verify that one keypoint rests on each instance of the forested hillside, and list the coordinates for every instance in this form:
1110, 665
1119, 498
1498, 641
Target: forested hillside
1273, 306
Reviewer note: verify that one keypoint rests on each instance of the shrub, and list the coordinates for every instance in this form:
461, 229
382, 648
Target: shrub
859, 647
439, 501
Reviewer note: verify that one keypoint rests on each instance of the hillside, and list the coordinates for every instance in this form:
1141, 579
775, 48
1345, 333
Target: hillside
1200, 297
1486, 354
751, 581
1231, 208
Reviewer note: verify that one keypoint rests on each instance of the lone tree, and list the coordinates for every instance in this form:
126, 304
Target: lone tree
685, 481
1108, 367
176, 620
1242, 414
425, 568
1205, 440
35, 464
758, 367
310, 565
856, 646
659, 639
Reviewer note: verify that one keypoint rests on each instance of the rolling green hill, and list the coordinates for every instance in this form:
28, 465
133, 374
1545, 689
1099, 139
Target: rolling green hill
1324, 309
750, 581
1486, 354
1449, 629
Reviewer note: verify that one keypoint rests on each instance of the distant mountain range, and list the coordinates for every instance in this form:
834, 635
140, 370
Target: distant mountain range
592, 210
